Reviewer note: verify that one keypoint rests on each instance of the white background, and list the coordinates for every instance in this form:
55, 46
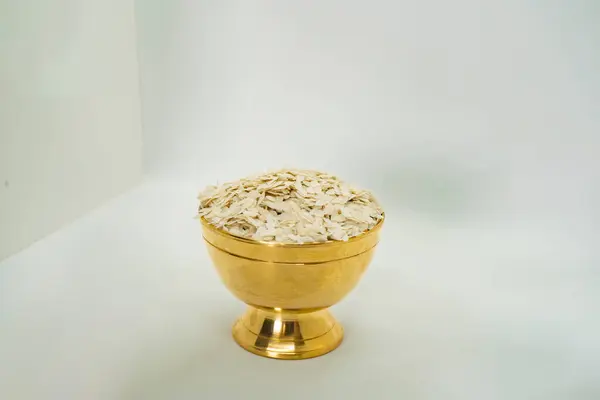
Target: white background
477, 126
70, 130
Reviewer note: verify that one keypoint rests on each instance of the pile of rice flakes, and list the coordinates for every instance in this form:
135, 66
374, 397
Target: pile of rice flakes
290, 206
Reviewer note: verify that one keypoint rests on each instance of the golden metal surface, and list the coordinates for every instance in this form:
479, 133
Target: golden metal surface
287, 335
288, 288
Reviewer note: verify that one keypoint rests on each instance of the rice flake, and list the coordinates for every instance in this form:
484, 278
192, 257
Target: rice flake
290, 206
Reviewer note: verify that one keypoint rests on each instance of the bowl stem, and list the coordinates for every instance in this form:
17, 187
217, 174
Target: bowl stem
287, 334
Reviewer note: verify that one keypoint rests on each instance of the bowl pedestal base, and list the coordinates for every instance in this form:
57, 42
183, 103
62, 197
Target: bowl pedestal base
287, 334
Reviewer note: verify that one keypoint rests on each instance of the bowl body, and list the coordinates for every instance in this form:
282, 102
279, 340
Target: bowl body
289, 276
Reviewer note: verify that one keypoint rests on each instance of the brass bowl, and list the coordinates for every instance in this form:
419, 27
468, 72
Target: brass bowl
288, 288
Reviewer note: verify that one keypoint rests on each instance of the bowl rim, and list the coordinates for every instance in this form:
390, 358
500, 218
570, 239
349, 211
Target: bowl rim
328, 243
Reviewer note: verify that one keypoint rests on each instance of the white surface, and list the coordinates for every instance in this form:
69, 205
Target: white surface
124, 304
70, 129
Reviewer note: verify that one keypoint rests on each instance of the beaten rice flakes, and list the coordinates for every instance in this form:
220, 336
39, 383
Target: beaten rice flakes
290, 206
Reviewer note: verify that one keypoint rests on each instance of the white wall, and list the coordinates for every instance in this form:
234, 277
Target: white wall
446, 107
70, 131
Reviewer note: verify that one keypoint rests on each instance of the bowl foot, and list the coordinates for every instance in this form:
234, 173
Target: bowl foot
287, 334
